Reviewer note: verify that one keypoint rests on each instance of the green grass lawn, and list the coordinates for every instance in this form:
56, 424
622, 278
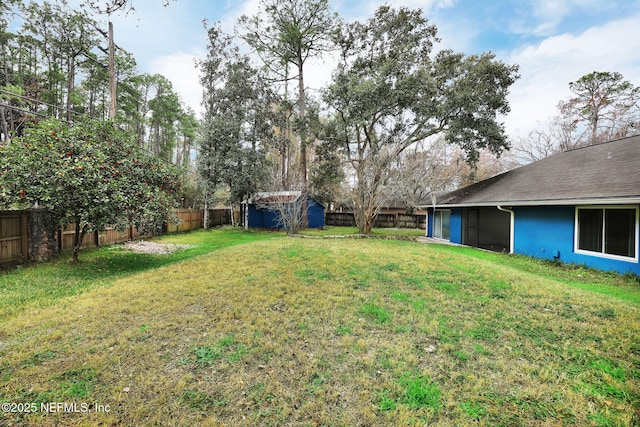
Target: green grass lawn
347, 231
264, 329
45, 283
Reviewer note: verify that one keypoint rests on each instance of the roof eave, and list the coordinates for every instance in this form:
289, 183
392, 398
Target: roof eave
552, 202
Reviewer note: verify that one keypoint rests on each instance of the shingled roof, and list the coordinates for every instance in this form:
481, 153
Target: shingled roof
597, 174
266, 198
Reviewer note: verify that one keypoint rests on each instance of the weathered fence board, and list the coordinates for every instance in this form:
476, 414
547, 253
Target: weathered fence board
221, 216
191, 219
13, 237
340, 219
383, 220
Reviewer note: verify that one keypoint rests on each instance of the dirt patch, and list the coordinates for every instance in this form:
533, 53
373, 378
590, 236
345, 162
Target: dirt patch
145, 247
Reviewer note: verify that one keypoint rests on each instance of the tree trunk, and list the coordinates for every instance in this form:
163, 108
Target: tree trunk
3, 121
283, 165
179, 151
205, 219
92, 101
246, 215
78, 237
365, 215
70, 81
12, 124
186, 149
5, 128
302, 104
367, 226
112, 75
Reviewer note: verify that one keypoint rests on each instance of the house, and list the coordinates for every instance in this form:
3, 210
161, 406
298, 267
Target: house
264, 209
580, 206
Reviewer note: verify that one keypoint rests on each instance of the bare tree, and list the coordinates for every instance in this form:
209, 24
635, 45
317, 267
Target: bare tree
288, 204
414, 173
438, 166
556, 137
605, 107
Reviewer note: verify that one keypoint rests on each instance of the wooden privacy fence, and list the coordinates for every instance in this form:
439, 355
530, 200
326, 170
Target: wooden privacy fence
383, 220
13, 237
398, 220
98, 238
189, 219
219, 216
339, 219
31, 236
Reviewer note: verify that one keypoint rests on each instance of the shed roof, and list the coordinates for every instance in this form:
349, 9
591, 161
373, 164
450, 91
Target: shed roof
597, 174
267, 198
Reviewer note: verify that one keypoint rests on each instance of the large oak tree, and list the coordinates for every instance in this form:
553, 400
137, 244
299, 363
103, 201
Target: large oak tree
391, 91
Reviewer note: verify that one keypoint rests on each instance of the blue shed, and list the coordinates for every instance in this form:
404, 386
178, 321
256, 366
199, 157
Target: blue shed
264, 209
580, 206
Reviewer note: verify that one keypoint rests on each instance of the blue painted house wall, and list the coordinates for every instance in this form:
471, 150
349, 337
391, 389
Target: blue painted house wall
455, 226
549, 232
545, 232
265, 218
429, 224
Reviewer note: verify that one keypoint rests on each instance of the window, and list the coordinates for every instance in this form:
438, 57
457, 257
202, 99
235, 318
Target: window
610, 231
441, 221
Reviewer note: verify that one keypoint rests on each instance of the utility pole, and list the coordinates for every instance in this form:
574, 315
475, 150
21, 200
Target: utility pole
112, 75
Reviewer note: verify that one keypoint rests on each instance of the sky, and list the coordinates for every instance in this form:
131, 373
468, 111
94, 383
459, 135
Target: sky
553, 42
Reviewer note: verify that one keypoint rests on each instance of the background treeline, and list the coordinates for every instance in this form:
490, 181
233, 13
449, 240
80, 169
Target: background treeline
398, 118
54, 64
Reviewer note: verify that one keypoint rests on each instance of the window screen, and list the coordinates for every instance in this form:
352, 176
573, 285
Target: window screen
609, 231
590, 230
620, 232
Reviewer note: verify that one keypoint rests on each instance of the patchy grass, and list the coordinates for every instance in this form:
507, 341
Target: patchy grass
44, 284
332, 332
626, 286
347, 231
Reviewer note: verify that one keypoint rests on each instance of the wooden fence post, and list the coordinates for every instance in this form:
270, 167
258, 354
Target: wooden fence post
24, 231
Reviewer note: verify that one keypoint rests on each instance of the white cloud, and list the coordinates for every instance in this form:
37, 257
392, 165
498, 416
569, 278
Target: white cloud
542, 18
179, 68
248, 8
549, 14
547, 68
